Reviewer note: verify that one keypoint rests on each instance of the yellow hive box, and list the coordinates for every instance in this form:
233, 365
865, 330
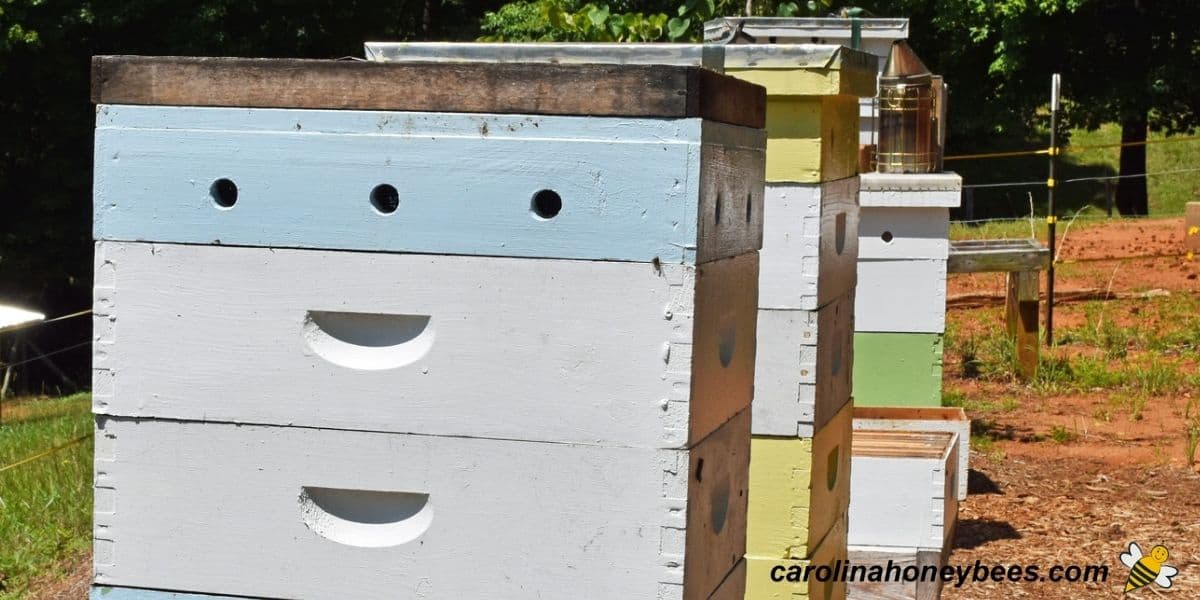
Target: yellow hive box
799, 489
763, 574
812, 106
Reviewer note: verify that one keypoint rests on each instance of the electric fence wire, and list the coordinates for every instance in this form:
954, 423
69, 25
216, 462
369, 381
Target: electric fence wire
47, 452
42, 355
1078, 179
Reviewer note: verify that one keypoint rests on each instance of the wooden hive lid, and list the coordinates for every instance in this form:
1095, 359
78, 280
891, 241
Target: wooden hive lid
655, 91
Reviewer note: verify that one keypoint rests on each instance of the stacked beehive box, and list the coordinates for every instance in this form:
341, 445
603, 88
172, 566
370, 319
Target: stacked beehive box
350, 348
901, 305
800, 451
904, 507
875, 36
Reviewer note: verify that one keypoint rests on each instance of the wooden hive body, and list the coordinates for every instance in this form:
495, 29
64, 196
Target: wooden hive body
802, 409
900, 306
909, 485
470, 373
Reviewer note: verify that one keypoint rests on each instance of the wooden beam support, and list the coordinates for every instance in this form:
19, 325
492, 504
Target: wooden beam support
1021, 316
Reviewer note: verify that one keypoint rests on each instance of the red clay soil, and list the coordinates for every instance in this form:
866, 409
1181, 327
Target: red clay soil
1116, 475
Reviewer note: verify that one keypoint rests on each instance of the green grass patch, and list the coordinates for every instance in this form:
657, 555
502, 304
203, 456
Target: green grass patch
45, 504
1061, 435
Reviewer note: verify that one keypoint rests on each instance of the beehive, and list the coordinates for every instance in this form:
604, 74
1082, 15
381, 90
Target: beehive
350, 347
805, 321
892, 512
799, 456
900, 307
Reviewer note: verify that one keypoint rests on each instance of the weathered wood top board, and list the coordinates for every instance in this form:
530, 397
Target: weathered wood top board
659, 91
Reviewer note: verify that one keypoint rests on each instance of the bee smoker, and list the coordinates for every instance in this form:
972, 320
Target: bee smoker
907, 115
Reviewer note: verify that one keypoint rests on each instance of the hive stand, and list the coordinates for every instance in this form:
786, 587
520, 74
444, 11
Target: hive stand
800, 452
489, 333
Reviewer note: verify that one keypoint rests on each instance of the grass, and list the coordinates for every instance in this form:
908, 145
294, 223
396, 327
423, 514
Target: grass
45, 504
1061, 435
1168, 193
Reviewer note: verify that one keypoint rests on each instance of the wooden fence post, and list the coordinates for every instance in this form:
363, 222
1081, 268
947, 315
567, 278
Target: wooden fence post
1021, 316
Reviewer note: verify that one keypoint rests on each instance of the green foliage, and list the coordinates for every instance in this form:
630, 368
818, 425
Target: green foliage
567, 20
655, 21
46, 504
1061, 435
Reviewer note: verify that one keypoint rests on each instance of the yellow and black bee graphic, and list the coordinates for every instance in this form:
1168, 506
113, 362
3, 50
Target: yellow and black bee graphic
1144, 569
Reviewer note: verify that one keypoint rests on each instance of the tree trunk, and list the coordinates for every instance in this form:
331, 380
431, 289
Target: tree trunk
426, 19
1132, 198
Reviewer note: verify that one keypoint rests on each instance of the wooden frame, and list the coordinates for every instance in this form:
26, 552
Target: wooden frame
589, 90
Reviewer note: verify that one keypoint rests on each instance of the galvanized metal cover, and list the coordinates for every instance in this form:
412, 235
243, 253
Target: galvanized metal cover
692, 55
787, 30
716, 57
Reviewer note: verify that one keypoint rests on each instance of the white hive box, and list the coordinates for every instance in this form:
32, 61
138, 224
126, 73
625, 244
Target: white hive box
376, 343
292, 512
904, 489
903, 247
903, 418
803, 368
810, 244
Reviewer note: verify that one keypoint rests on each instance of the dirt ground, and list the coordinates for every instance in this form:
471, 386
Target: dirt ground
1115, 479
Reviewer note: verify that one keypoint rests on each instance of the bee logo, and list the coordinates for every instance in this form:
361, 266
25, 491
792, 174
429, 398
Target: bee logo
1144, 569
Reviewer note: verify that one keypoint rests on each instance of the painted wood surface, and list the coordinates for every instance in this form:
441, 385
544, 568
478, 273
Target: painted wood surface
734, 586
811, 139
855, 81
901, 296
904, 190
547, 89
803, 368
831, 550
810, 244
904, 489
897, 369
440, 345
868, 556
524, 518
939, 418
629, 189
890, 233
799, 488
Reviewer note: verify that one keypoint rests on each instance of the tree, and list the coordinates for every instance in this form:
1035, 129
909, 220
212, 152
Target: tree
1128, 61
617, 21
